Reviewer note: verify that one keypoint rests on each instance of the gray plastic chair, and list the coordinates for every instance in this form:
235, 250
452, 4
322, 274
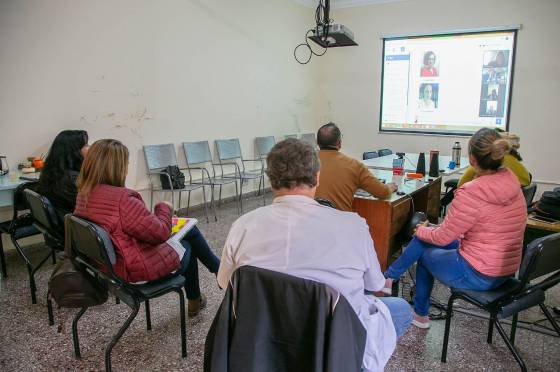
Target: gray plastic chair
384, 152
309, 138
158, 158
229, 154
264, 145
290, 136
197, 156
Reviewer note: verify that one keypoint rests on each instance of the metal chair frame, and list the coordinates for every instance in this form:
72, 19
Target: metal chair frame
46, 222
520, 292
240, 172
309, 138
100, 263
17, 227
263, 145
199, 165
155, 170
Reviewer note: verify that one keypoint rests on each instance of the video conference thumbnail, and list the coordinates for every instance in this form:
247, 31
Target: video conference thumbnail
494, 83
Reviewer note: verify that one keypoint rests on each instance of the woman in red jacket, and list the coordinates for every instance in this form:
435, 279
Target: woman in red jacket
478, 245
139, 236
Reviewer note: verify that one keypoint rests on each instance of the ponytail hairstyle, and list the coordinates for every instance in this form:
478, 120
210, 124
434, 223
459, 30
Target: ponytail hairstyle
106, 163
513, 140
488, 148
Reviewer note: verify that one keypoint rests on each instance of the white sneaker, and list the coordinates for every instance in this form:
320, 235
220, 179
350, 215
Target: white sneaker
422, 322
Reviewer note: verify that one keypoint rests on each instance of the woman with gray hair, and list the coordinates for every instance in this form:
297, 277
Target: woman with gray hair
296, 235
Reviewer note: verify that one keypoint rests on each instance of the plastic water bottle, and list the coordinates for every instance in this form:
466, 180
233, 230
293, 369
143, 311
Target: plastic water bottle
456, 154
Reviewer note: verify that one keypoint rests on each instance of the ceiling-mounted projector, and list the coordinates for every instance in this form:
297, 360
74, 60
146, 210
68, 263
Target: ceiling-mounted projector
337, 36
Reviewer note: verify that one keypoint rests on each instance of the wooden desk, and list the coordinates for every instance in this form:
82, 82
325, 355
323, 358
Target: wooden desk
537, 229
386, 218
411, 160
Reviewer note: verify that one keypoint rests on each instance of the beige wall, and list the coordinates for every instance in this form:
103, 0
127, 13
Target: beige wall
351, 77
149, 72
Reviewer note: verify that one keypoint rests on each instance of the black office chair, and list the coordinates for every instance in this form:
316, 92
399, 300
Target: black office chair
370, 155
47, 222
529, 192
384, 152
20, 226
317, 329
326, 202
94, 250
542, 257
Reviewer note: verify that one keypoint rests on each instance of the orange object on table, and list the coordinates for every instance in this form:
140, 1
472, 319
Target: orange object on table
38, 163
414, 175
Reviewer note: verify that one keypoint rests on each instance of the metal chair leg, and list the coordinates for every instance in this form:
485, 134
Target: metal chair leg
148, 316
511, 348
183, 323
490, 329
53, 257
241, 195
151, 196
220, 196
513, 328
447, 328
118, 336
3, 259
30, 269
237, 197
205, 205
50, 310
179, 206
188, 201
263, 193
75, 332
212, 204
550, 318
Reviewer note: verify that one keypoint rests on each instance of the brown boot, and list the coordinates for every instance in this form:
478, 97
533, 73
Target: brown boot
194, 306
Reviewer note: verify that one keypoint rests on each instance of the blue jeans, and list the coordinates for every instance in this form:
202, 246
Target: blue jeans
197, 249
400, 313
444, 263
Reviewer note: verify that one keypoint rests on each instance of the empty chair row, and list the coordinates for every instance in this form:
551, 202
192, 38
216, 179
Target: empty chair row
202, 171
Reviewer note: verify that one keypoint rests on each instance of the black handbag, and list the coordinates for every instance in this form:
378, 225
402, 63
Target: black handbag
177, 178
71, 285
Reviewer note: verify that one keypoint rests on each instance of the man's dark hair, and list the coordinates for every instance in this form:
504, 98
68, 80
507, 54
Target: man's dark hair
328, 137
291, 163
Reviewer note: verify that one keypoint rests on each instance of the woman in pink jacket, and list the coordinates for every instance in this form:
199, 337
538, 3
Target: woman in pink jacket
478, 245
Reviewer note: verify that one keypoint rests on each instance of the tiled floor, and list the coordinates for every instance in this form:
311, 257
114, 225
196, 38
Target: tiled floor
27, 343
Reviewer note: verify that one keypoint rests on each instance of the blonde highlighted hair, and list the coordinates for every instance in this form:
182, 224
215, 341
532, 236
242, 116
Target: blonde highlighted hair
106, 163
489, 148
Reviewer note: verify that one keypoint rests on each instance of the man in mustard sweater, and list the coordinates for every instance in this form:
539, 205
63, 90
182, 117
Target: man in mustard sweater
341, 175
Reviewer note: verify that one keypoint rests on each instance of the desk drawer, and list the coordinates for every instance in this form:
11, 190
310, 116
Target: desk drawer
399, 216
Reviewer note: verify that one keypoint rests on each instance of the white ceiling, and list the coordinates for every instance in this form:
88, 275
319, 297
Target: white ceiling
336, 4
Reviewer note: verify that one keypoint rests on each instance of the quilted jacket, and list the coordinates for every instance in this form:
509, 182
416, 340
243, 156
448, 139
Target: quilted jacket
138, 235
488, 215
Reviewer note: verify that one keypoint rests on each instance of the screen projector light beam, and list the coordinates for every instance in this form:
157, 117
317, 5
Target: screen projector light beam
449, 83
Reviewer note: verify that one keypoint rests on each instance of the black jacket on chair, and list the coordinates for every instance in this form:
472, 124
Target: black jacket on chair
270, 321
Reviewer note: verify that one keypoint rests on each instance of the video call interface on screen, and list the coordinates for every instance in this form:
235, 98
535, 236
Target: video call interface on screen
449, 84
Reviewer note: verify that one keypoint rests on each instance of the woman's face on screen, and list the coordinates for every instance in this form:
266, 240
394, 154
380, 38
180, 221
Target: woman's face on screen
431, 60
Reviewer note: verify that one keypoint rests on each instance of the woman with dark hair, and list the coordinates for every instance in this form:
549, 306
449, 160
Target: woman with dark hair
478, 245
62, 166
138, 235
429, 69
